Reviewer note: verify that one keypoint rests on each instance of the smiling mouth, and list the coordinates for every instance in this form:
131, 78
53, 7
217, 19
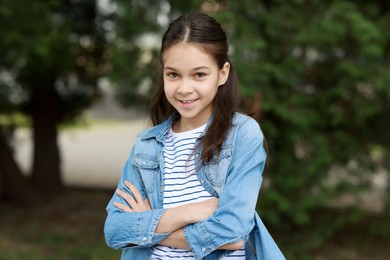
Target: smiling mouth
188, 101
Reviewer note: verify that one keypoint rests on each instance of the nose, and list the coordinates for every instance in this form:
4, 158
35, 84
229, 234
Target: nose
185, 88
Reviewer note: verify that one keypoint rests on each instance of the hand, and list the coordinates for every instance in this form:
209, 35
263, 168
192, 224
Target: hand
136, 203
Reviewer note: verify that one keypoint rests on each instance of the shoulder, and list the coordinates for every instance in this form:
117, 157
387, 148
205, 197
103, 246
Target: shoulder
246, 125
240, 119
155, 131
147, 132
246, 137
245, 132
146, 145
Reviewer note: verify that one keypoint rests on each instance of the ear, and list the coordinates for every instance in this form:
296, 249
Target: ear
224, 73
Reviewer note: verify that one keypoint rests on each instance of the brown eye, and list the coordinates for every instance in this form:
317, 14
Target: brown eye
200, 75
172, 75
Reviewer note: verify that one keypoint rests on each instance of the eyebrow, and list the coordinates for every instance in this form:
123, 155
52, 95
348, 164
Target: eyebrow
193, 69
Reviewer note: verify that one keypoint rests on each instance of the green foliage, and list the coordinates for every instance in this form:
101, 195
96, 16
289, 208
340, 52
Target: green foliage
134, 53
55, 45
316, 75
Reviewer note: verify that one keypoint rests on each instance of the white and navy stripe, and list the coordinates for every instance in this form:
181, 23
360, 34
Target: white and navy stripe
182, 186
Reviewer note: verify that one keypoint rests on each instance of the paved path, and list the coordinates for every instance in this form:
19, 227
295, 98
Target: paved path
91, 157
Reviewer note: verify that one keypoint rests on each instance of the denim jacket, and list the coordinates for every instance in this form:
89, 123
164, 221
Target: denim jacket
234, 177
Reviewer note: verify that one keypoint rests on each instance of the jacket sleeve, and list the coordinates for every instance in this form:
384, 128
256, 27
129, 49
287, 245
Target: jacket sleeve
131, 229
234, 218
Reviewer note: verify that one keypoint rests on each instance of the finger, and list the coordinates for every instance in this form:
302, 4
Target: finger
122, 207
137, 195
128, 198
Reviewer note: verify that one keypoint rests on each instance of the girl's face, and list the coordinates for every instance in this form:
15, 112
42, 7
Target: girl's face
191, 81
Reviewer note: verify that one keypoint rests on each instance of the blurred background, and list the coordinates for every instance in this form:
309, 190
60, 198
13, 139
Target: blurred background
76, 77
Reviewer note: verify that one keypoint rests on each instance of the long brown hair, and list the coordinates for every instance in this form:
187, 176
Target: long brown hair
208, 34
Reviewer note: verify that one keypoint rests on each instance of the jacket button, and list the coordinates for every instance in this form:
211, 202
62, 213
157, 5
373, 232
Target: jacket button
203, 249
202, 181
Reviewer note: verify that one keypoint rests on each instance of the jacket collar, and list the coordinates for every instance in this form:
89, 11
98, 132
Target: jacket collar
159, 130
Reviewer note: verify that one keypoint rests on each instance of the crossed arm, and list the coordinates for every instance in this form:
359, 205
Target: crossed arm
174, 219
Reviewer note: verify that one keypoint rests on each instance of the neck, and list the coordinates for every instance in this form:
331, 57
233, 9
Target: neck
182, 125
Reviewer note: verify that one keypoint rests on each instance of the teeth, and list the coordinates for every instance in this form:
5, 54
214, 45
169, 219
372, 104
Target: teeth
188, 101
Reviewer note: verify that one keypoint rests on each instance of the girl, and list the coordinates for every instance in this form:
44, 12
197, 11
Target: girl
190, 185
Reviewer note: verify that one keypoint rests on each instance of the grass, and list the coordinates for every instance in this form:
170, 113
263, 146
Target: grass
334, 234
67, 227
70, 226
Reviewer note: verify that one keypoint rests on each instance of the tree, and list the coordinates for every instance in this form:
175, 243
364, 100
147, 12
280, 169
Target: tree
138, 26
53, 53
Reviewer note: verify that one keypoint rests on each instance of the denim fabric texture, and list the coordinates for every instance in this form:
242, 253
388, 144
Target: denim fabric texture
234, 177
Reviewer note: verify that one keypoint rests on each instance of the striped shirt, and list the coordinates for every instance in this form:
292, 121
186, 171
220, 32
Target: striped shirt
182, 186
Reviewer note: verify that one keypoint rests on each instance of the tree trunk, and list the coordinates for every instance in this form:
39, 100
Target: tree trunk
45, 107
13, 186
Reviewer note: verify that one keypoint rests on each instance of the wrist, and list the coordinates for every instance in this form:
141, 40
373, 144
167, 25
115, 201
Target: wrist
176, 239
